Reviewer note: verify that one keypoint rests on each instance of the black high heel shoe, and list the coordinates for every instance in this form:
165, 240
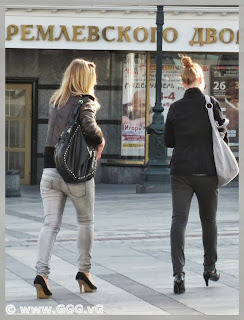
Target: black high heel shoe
85, 282
179, 283
208, 275
41, 288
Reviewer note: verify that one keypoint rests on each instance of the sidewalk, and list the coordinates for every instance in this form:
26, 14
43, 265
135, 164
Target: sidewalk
131, 256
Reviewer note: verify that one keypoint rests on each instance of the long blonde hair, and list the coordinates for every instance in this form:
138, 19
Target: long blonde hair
191, 71
79, 78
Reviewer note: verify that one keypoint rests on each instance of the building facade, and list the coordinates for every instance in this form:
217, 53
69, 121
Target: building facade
40, 43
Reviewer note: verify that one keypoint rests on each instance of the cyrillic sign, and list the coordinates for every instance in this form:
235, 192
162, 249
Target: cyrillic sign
105, 34
211, 36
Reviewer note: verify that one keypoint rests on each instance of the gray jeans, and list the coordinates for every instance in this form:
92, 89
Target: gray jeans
54, 192
206, 190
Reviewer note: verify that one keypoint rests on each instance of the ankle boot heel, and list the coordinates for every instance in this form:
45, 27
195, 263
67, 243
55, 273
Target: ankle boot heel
206, 278
179, 284
41, 288
85, 283
179, 288
213, 276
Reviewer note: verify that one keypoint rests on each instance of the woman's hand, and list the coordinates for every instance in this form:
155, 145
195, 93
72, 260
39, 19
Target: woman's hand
100, 149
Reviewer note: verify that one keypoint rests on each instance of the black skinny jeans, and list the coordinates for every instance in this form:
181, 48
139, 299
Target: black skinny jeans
206, 190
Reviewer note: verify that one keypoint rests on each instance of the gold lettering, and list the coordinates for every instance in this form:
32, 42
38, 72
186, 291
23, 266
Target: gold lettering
77, 32
145, 34
25, 32
237, 35
123, 33
222, 32
199, 32
104, 33
211, 35
93, 33
165, 34
64, 33
43, 34
12, 30
153, 34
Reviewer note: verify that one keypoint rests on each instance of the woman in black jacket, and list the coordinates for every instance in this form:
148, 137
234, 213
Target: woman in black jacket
189, 132
78, 81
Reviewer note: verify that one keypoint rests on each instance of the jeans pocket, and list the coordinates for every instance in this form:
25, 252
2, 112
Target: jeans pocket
46, 183
77, 190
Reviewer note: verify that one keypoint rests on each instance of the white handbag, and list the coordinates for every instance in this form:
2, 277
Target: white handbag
225, 162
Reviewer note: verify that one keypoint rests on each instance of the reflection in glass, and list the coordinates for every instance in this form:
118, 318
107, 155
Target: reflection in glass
15, 128
15, 134
15, 103
7, 111
134, 106
16, 160
6, 134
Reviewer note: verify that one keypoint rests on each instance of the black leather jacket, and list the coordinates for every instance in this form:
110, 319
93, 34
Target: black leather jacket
189, 132
60, 117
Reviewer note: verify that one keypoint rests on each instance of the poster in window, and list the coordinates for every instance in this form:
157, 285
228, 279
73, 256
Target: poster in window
134, 101
225, 88
172, 87
134, 109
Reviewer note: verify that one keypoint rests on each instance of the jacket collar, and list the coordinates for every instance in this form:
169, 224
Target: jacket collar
193, 91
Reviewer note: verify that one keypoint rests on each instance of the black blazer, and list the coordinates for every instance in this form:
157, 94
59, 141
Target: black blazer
189, 132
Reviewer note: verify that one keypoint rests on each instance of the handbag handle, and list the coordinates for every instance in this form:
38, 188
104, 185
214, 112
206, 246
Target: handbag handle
209, 105
84, 97
77, 109
208, 102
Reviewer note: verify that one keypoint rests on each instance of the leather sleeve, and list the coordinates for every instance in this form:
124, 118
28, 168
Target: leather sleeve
88, 122
169, 137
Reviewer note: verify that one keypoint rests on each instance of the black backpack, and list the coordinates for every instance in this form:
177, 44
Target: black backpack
75, 160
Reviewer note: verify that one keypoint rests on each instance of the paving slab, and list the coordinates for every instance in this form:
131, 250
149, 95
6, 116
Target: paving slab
131, 263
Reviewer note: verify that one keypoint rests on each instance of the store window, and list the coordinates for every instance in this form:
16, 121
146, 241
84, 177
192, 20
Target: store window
221, 73
132, 102
127, 108
133, 106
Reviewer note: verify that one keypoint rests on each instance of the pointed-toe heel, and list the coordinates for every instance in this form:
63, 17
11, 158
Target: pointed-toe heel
41, 288
85, 283
213, 276
179, 284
